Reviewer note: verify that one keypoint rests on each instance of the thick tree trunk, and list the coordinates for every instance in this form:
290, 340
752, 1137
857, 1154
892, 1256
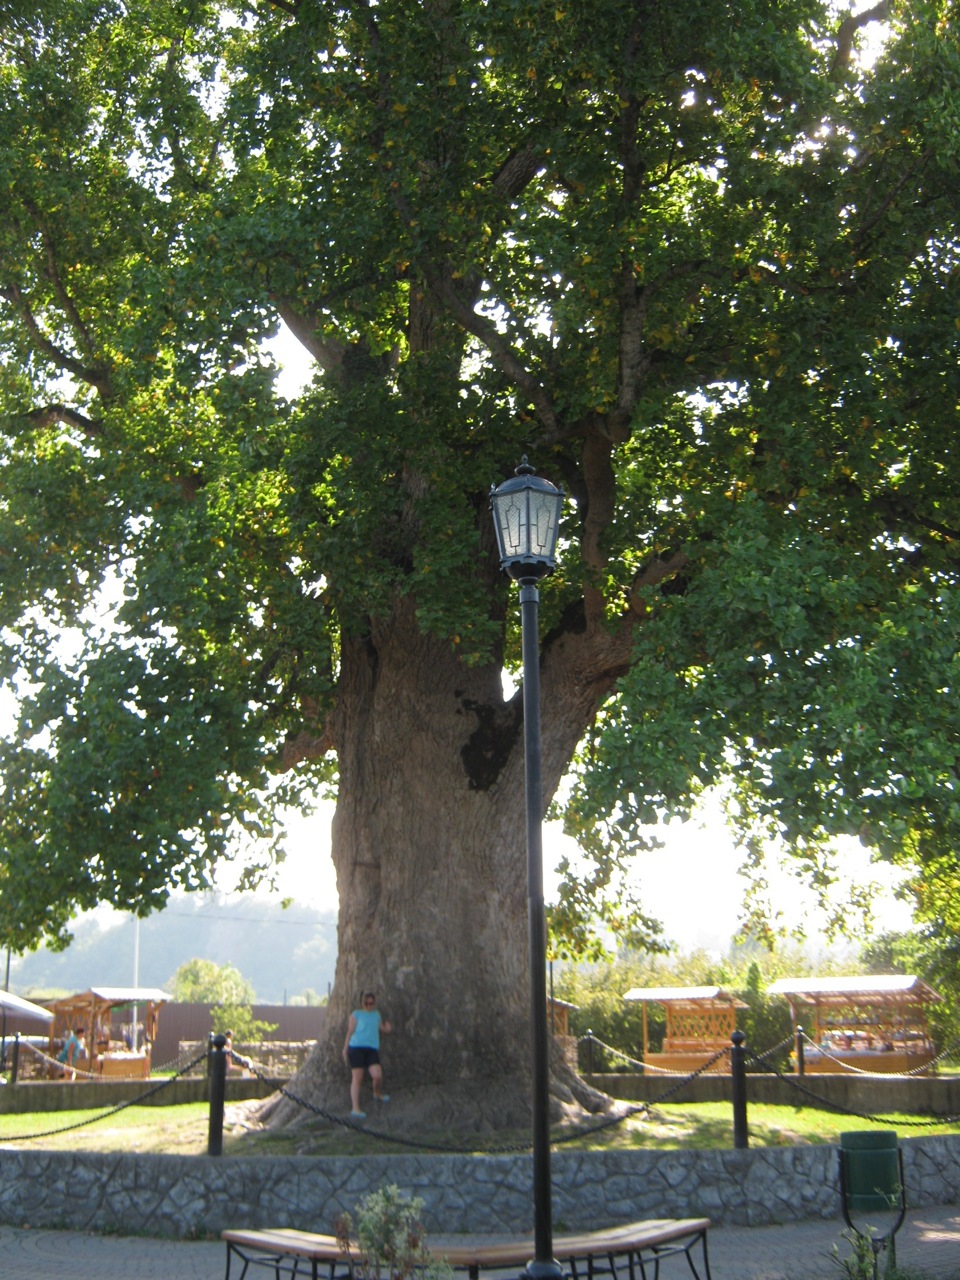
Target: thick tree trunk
429, 849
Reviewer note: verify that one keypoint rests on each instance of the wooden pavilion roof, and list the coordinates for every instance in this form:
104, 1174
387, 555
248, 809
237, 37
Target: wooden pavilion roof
867, 989
98, 999
690, 996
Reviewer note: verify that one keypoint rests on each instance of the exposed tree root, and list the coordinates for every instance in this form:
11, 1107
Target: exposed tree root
469, 1107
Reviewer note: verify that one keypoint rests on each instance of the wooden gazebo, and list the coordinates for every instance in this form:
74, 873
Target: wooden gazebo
870, 1023
110, 1052
700, 1022
558, 1019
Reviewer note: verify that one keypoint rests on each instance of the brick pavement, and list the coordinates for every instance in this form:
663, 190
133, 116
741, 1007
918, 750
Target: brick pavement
928, 1245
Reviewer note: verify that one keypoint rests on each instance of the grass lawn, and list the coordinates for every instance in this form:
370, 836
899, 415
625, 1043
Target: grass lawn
182, 1130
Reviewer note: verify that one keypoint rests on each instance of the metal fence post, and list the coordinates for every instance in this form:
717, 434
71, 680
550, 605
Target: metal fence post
589, 1052
738, 1069
15, 1059
217, 1065
801, 1064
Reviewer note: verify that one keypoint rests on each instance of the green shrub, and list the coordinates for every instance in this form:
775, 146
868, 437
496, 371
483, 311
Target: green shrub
391, 1238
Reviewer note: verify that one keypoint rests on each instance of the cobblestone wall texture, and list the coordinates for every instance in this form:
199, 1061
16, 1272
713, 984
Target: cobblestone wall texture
190, 1196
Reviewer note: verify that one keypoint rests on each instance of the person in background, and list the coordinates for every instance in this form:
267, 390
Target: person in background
73, 1049
361, 1050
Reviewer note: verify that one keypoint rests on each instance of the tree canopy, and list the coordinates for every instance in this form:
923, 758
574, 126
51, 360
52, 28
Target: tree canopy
204, 982
700, 262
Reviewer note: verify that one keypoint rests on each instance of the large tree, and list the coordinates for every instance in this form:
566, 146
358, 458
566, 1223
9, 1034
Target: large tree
698, 261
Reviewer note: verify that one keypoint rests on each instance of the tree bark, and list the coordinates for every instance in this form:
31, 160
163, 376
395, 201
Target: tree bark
430, 856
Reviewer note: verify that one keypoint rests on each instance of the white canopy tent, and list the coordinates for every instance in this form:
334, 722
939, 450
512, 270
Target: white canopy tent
25, 1008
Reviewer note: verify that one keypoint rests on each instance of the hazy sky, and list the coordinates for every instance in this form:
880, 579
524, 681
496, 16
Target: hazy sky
693, 884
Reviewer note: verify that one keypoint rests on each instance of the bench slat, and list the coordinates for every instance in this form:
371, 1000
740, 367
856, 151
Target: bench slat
304, 1244
489, 1254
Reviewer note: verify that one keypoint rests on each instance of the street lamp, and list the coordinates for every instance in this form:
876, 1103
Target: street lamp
526, 515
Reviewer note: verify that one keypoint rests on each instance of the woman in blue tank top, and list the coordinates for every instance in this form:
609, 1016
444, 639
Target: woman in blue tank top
361, 1050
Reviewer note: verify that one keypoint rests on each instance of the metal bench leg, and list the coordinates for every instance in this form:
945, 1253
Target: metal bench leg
706, 1257
229, 1256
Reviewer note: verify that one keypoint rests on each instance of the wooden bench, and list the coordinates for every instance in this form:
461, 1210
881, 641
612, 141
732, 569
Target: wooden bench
628, 1250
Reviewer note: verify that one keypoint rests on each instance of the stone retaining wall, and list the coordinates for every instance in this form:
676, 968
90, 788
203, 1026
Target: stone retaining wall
44, 1096
935, 1096
197, 1195
864, 1094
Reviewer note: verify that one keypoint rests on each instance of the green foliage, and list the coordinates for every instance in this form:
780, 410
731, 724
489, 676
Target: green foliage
746, 971
204, 982
700, 261
239, 1020
225, 988
391, 1238
766, 1023
933, 956
867, 1259
597, 992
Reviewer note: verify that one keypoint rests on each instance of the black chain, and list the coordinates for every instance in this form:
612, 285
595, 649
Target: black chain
777, 1048
793, 1083
390, 1137
511, 1149
111, 1111
891, 1075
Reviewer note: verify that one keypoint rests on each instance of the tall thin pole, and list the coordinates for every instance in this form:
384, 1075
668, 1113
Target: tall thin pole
135, 1039
544, 1264
3, 1034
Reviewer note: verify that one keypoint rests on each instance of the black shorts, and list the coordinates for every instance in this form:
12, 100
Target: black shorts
359, 1056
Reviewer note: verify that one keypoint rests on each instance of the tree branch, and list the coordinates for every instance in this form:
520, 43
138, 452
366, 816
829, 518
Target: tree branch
892, 192
304, 745
327, 352
517, 172
93, 375
64, 298
49, 414
633, 359
848, 29
171, 133
651, 575
597, 504
503, 353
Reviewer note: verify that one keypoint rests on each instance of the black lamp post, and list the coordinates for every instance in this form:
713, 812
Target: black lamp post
526, 514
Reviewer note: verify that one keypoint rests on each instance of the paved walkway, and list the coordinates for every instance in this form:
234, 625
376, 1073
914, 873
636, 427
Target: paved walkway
928, 1245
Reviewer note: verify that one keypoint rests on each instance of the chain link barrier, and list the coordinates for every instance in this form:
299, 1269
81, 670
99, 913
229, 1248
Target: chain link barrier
793, 1082
760, 1060
880, 1075
176, 1064
584, 1131
785, 1043
110, 1111
344, 1123
62, 1067
624, 1057
665, 1071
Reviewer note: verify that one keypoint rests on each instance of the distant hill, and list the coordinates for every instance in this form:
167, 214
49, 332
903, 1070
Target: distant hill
282, 952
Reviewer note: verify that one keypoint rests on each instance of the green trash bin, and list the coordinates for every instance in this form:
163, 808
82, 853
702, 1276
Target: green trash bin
872, 1179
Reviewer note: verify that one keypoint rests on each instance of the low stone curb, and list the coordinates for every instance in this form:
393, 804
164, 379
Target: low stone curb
196, 1196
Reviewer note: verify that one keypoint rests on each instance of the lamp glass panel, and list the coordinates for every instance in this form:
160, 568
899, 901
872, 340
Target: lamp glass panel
526, 518
542, 516
511, 523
